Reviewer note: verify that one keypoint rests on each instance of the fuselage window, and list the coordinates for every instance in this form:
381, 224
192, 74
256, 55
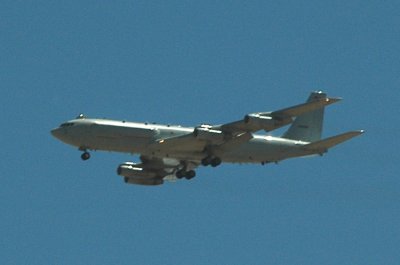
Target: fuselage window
68, 124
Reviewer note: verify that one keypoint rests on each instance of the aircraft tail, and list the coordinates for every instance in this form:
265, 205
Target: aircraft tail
308, 126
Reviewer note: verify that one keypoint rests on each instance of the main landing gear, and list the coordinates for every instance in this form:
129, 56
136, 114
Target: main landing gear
85, 156
185, 174
213, 161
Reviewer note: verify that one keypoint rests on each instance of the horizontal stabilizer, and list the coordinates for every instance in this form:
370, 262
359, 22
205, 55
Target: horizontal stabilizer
323, 145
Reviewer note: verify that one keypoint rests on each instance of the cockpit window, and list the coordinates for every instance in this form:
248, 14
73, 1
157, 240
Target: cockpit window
67, 124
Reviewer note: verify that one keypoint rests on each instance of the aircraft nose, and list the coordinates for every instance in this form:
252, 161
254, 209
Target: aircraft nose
56, 133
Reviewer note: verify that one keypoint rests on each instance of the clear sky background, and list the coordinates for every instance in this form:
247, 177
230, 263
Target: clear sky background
189, 62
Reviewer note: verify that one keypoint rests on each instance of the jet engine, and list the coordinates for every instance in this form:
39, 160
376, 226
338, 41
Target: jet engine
205, 133
135, 173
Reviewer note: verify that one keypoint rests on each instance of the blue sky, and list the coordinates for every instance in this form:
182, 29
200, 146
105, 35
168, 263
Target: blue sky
189, 62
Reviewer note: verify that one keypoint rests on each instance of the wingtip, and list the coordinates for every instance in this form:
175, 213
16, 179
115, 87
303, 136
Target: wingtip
358, 132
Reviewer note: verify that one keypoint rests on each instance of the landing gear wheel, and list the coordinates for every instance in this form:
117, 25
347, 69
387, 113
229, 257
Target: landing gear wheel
85, 156
206, 161
213, 161
216, 162
190, 174
185, 174
180, 174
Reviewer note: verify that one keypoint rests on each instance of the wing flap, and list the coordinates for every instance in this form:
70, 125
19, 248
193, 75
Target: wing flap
234, 142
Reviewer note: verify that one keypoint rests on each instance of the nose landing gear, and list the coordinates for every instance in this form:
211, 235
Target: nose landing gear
85, 156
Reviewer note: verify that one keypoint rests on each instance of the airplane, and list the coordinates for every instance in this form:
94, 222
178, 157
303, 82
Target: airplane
174, 152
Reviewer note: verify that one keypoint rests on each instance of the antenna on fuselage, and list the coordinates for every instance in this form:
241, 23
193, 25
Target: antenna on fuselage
81, 116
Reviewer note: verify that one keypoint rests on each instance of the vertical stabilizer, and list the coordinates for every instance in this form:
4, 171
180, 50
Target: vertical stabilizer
308, 126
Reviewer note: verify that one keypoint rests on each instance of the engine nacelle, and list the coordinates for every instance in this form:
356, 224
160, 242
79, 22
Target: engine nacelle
206, 134
129, 169
136, 174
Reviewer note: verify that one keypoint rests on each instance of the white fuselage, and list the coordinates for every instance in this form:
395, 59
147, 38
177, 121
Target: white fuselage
139, 138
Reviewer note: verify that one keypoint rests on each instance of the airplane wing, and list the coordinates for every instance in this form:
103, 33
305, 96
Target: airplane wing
235, 133
186, 142
199, 139
269, 121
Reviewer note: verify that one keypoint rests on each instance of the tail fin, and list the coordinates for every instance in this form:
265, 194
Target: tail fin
308, 126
